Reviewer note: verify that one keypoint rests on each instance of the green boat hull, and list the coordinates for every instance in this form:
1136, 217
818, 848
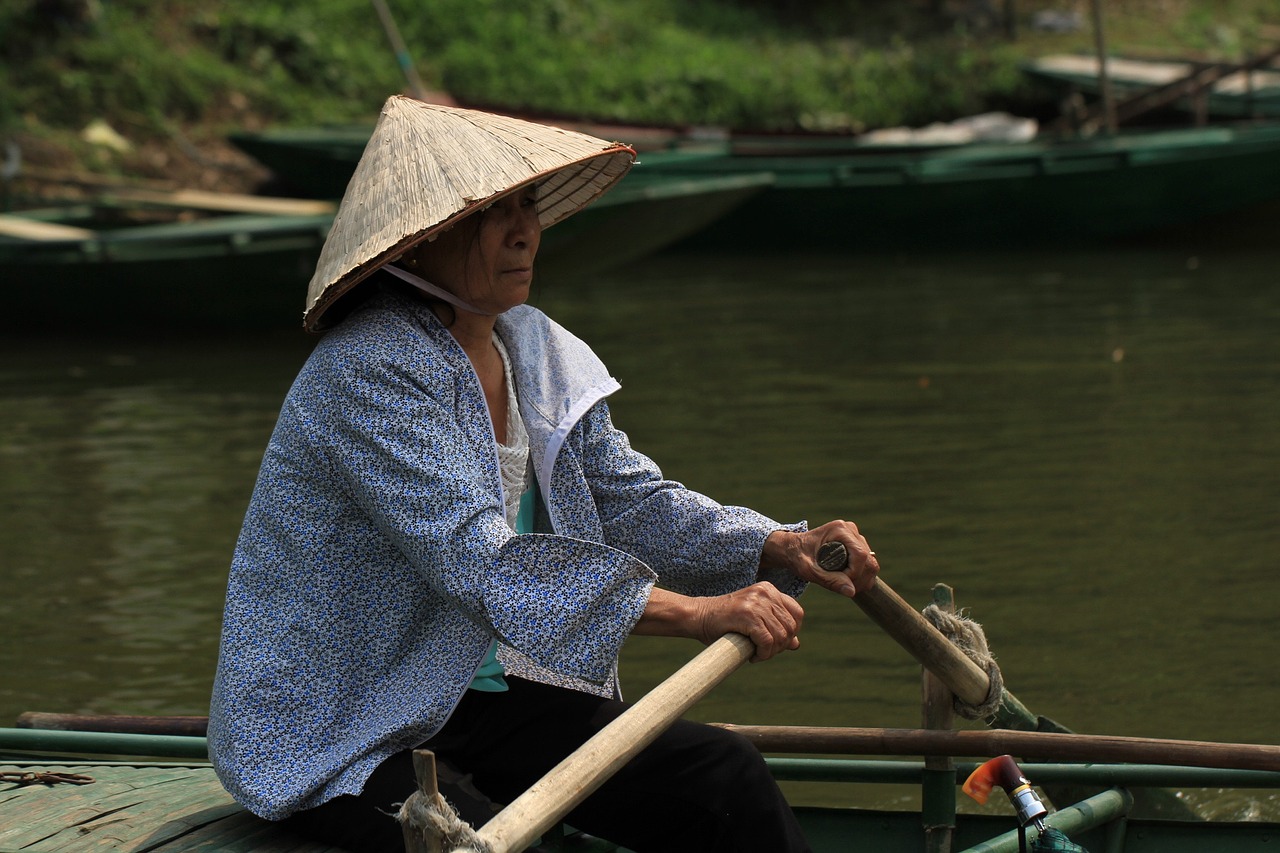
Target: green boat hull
312, 162
171, 802
1233, 97
251, 272
999, 195
835, 194
230, 272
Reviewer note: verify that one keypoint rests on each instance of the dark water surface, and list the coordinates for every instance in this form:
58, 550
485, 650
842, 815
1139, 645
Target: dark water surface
1086, 446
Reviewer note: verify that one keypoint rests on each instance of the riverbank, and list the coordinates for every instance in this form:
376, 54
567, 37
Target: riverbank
149, 90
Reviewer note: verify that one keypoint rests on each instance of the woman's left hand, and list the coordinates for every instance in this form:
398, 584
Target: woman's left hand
798, 553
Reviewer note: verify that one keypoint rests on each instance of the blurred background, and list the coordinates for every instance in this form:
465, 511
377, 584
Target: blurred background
173, 79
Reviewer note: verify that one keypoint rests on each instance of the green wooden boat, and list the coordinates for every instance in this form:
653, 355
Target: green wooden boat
120, 263
1236, 95
146, 793
644, 214
165, 264
843, 194
317, 162
84, 791
312, 162
1045, 192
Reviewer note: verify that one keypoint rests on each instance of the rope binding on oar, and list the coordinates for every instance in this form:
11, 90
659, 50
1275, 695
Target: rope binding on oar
421, 815
968, 637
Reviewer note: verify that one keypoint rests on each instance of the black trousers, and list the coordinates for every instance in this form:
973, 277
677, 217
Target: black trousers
695, 788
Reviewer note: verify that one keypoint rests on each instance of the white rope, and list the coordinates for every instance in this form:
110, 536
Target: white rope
440, 821
969, 638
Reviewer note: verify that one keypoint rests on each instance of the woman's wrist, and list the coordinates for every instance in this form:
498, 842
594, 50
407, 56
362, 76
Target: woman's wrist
779, 549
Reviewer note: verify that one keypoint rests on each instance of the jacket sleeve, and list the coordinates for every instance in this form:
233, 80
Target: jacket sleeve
696, 545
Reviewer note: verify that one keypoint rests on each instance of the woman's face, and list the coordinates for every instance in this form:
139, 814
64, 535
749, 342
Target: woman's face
487, 258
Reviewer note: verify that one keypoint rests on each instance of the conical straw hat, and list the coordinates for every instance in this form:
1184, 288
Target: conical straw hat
426, 166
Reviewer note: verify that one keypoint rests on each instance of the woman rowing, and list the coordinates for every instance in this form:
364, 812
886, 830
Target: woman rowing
449, 541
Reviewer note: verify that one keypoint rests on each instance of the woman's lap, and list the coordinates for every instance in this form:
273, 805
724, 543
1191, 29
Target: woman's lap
695, 787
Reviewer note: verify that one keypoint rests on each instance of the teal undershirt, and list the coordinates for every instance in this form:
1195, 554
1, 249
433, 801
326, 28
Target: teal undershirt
488, 677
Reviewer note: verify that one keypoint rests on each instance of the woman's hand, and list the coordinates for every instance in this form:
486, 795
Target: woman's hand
769, 617
798, 553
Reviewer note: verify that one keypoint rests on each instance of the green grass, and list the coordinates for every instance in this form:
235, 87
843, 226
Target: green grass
157, 69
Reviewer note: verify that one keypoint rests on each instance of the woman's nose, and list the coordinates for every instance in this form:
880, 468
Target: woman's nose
525, 228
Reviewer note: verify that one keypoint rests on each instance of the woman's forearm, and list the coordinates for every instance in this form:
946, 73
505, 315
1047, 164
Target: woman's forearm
669, 614
760, 611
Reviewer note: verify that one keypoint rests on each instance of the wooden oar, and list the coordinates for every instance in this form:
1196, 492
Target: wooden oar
967, 680
1044, 746
577, 776
115, 723
914, 633
223, 202
934, 651
34, 229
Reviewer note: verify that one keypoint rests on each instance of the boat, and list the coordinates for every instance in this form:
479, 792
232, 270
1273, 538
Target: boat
188, 260
1050, 191
643, 214
66, 791
1232, 94
312, 162
60, 791
318, 161
892, 191
167, 260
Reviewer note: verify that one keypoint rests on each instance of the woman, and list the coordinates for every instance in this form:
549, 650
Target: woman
449, 541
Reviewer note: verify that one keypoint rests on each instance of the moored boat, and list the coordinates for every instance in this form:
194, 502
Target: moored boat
166, 261
851, 194
1236, 94
1046, 192
317, 162
184, 261
644, 214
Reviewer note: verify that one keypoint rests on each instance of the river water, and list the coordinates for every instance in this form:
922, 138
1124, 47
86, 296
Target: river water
1083, 444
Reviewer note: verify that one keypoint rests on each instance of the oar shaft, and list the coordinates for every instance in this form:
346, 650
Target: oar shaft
925, 642
118, 723
572, 780
914, 633
1043, 746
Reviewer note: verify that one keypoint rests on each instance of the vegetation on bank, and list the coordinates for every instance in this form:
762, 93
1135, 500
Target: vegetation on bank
173, 76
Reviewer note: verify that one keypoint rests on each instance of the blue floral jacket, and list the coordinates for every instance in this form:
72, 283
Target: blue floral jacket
374, 567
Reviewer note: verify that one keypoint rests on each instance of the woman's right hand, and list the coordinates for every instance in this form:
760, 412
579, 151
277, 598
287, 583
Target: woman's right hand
761, 612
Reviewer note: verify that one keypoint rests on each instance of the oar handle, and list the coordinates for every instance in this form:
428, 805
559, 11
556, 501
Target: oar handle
577, 776
914, 633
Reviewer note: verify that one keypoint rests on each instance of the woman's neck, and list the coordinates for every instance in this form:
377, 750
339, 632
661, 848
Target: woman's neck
474, 333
